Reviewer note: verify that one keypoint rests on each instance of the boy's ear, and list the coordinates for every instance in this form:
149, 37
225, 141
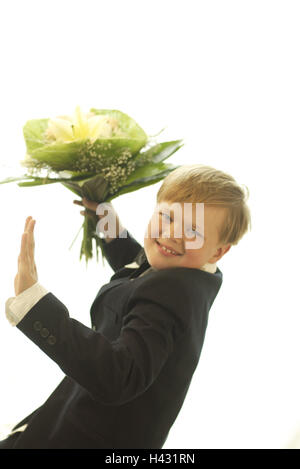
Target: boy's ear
220, 252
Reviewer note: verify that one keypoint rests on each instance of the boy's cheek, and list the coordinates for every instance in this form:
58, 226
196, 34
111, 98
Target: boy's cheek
147, 241
153, 229
147, 234
193, 255
195, 245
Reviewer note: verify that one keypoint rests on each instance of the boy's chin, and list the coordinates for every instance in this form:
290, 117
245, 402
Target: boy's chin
153, 261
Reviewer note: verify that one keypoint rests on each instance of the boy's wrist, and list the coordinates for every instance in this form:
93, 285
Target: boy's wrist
119, 231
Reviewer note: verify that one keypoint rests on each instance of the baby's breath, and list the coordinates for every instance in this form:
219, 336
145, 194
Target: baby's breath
92, 158
117, 172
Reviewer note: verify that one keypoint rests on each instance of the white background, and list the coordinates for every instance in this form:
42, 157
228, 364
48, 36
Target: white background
222, 75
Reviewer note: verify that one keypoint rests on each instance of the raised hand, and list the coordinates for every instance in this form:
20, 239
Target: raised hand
27, 273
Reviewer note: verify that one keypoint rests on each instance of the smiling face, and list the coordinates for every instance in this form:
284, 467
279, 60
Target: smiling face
206, 247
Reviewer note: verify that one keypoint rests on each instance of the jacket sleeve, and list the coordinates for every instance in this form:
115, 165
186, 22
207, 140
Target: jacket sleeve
113, 372
121, 251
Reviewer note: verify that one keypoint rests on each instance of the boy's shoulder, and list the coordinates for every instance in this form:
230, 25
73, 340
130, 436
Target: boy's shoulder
185, 283
189, 277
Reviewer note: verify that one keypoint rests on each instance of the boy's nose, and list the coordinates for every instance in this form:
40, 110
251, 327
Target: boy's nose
172, 230
173, 238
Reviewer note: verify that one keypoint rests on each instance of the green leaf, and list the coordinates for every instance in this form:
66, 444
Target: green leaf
147, 170
161, 151
161, 168
95, 188
37, 182
149, 161
59, 156
40, 181
14, 179
33, 132
143, 182
126, 123
75, 189
77, 175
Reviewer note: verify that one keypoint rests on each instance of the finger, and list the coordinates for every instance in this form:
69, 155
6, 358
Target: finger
31, 243
78, 202
24, 252
90, 204
30, 225
27, 222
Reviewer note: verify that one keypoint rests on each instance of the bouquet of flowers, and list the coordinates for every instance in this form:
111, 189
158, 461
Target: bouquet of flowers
99, 155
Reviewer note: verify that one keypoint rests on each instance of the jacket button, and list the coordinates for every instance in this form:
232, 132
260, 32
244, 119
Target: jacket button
44, 332
51, 340
37, 326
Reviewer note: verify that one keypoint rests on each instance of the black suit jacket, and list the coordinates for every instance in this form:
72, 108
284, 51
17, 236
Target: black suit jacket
127, 376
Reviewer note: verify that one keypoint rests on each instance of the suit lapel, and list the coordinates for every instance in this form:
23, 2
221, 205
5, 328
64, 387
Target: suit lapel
133, 270
118, 278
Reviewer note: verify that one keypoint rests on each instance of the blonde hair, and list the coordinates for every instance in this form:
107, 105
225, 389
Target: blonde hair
201, 183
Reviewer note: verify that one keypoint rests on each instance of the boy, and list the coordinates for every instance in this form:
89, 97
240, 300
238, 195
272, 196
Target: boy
128, 375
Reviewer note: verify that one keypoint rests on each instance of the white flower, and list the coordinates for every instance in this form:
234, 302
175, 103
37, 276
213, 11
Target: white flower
82, 126
60, 130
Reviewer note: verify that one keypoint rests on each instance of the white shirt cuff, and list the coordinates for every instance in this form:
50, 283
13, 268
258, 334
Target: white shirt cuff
18, 306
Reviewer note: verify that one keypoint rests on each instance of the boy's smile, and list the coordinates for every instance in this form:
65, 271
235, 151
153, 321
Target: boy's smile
167, 250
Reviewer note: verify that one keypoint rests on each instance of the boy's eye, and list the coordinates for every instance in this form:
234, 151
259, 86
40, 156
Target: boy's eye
188, 230
194, 232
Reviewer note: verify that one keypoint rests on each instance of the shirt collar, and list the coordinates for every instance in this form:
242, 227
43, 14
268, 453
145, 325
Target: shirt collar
142, 258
